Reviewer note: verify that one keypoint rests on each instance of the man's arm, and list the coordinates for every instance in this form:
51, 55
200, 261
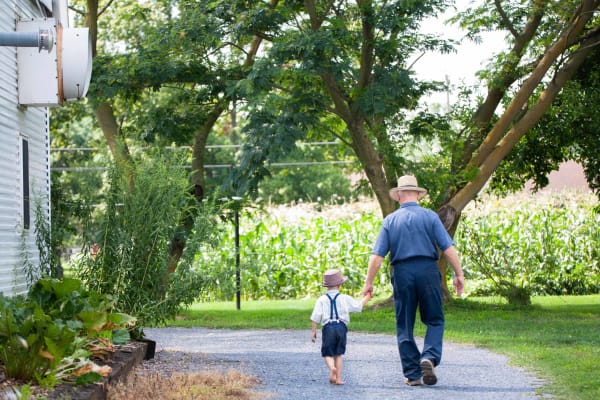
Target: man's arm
374, 264
459, 277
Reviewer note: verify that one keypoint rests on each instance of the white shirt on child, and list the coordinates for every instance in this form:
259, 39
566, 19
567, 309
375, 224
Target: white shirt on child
344, 303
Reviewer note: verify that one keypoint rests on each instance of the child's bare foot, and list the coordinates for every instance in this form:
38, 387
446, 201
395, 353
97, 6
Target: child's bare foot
340, 382
333, 376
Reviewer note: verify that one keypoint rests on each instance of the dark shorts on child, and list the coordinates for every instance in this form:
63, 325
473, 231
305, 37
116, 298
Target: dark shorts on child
334, 339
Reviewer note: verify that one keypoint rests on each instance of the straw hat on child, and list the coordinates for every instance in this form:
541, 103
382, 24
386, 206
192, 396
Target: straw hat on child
333, 278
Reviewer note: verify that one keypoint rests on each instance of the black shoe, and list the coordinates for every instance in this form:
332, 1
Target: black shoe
429, 377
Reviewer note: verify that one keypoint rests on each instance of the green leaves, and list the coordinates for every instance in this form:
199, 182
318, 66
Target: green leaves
31, 343
134, 234
44, 334
532, 251
286, 257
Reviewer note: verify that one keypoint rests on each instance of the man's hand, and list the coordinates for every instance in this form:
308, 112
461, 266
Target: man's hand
367, 290
459, 284
314, 337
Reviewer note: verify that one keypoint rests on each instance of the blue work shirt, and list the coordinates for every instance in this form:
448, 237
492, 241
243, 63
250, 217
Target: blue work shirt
411, 231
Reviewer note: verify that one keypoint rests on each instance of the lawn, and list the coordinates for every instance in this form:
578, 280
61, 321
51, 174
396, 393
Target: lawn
558, 337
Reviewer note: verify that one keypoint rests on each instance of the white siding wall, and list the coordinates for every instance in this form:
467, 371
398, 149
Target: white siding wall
18, 244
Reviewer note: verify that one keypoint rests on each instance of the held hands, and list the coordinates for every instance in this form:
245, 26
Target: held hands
367, 294
367, 290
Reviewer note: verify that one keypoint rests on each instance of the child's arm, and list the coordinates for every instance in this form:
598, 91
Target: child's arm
368, 296
314, 331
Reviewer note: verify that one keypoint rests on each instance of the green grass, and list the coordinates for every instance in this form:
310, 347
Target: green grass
558, 338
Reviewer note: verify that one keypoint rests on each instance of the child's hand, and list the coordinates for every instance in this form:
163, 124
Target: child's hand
366, 297
314, 337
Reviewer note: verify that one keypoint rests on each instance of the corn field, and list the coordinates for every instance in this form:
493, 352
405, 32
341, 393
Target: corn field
542, 244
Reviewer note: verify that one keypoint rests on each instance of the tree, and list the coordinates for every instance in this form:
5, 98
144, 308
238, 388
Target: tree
343, 69
338, 68
348, 62
544, 58
164, 75
568, 131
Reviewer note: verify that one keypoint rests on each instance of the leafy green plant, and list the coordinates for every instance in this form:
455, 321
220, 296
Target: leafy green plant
134, 234
490, 257
31, 342
532, 249
48, 260
543, 246
91, 312
285, 257
55, 329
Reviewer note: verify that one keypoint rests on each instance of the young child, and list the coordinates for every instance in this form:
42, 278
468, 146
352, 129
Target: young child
332, 310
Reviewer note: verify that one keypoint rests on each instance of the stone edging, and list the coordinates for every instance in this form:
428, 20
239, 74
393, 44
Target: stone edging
122, 363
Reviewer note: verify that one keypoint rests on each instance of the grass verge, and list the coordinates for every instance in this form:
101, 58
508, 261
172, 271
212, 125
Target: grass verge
557, 338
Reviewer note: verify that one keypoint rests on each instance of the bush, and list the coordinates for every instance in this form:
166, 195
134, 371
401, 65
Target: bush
134, 235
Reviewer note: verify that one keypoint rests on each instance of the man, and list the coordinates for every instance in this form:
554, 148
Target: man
413, 236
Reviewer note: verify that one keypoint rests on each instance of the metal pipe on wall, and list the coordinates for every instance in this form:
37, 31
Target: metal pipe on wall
43, 39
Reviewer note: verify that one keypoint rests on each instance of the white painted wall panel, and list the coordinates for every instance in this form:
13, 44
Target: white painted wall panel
18, 245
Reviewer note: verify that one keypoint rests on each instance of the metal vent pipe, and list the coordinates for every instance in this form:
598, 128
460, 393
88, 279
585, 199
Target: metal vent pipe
43, 40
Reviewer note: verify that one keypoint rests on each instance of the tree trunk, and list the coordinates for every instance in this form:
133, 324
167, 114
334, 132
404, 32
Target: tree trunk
582, 16
450, 218
508, 75
179, 241
372, 163
118, 148
91, 21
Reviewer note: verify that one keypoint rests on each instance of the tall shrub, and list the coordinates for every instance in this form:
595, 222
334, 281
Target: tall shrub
133, 235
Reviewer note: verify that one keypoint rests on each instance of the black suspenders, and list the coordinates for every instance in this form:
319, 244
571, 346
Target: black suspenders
333, 308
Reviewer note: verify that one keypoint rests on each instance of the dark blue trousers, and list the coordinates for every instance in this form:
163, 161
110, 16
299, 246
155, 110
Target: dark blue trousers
417, 284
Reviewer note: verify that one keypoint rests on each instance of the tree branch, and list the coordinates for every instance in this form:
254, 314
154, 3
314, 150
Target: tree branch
505, 20
578, 22
340, 101
508, 75
77, 11
368, 43
315, 20
531, 117
105, 7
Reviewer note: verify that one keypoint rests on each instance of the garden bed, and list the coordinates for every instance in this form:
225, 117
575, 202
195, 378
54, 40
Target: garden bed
122, 362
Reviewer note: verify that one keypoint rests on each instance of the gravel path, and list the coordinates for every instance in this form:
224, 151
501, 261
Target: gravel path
289, 365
